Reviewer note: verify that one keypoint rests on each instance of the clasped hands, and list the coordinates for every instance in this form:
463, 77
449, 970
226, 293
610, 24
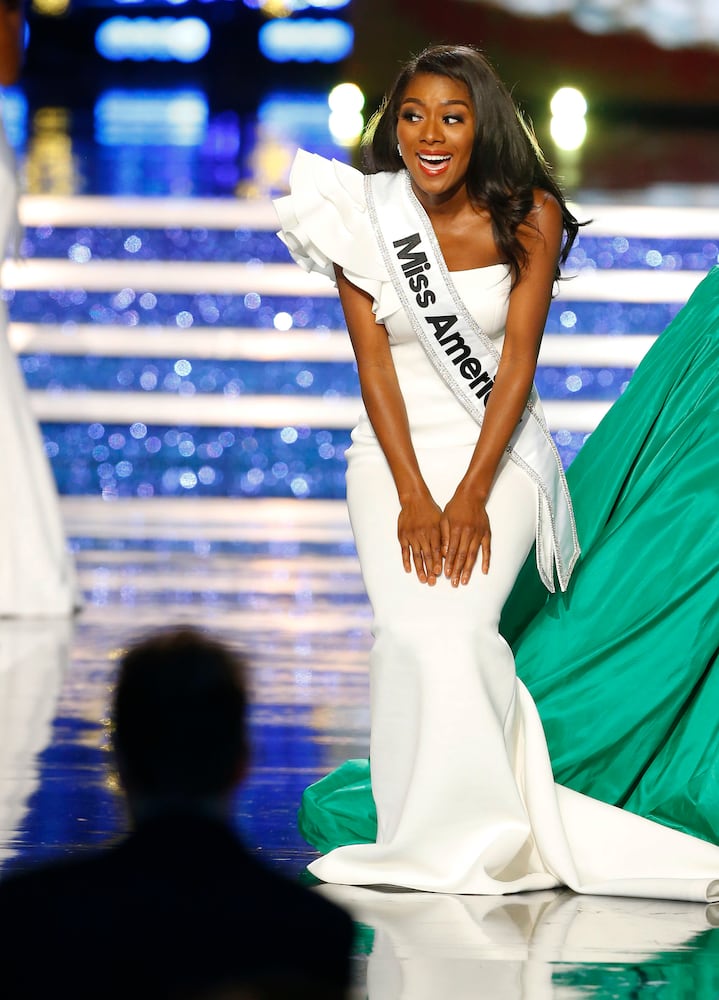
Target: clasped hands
449, 541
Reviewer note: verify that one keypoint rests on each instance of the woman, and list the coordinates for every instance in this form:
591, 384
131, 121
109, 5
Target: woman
36, 572
445, 260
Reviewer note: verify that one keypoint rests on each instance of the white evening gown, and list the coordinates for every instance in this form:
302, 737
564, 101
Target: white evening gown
466, 801
37, 576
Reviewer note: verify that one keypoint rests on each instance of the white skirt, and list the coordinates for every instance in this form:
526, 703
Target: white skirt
37, 575
466, 800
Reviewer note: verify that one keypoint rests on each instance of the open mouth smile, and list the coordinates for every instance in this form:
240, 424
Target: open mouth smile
434, 163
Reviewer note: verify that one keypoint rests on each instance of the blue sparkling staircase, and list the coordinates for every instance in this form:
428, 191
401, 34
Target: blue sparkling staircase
171, 347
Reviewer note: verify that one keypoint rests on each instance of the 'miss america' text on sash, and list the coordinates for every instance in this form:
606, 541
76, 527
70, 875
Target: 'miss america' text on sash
414, 265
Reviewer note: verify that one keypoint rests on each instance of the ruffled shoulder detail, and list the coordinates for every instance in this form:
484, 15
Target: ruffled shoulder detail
324, 221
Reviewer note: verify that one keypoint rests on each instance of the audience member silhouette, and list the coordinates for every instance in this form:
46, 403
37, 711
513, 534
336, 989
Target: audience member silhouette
178, 908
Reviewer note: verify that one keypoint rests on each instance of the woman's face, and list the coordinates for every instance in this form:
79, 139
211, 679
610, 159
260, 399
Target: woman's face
435, 131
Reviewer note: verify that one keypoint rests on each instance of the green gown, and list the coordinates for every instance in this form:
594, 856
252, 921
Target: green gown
620, 665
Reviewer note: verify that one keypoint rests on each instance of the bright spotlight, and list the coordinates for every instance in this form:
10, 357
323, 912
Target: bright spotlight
568, 125
568, 133
346, 127
346, 98
568, 102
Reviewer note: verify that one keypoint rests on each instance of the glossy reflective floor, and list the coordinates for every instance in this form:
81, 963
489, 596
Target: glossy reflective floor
196, 397
279, 579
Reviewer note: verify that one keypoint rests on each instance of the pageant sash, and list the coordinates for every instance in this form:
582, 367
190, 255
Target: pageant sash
466, 358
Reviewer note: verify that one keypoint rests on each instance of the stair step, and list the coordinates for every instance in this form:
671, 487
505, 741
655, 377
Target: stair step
247, 344
608, 219
263, 411
286, 280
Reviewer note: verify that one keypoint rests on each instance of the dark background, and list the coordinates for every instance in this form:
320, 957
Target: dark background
653, 112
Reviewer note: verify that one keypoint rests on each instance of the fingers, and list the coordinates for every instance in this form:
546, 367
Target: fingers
436, 553
423, 553
486, 552
444, 535
456, 545
463, 548
428, 557
406, 556
419, 565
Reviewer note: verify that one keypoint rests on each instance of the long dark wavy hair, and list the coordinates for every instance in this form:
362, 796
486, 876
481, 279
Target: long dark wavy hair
506, 162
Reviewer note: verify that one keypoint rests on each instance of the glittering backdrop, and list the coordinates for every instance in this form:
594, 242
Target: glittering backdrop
141, 458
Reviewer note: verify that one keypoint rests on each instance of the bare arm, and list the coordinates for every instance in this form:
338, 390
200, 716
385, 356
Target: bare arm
469, 530
418, 526
11, 41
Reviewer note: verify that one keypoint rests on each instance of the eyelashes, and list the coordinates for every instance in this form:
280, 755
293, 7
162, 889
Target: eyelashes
414, 116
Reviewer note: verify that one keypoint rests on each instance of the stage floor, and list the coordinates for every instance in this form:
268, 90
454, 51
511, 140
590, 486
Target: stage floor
280, 579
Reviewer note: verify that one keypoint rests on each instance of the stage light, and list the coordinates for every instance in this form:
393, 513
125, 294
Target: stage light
346, 97
163, 39
568, 133
287, 7
306, 39
346, 122
289, 113
13, 109
49, 163
568, 126
51, 8
151, 118
346, 127
568, 102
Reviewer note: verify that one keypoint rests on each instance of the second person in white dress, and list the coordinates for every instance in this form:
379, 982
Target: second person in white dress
37, 573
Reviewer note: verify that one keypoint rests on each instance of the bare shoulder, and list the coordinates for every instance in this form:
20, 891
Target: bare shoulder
546, 212
544, 222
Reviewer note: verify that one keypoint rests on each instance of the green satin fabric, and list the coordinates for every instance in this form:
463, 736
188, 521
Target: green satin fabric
689, 971
620, 666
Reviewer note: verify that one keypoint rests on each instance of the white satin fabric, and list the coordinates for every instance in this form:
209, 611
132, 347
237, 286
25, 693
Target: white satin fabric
465, 796
37, 577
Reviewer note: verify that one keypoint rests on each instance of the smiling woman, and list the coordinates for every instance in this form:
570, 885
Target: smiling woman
445, 256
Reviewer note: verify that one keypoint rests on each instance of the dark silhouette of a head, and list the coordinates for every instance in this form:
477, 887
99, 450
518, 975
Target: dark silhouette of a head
179, 717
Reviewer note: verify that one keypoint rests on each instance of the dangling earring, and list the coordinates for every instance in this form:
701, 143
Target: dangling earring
399, 151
